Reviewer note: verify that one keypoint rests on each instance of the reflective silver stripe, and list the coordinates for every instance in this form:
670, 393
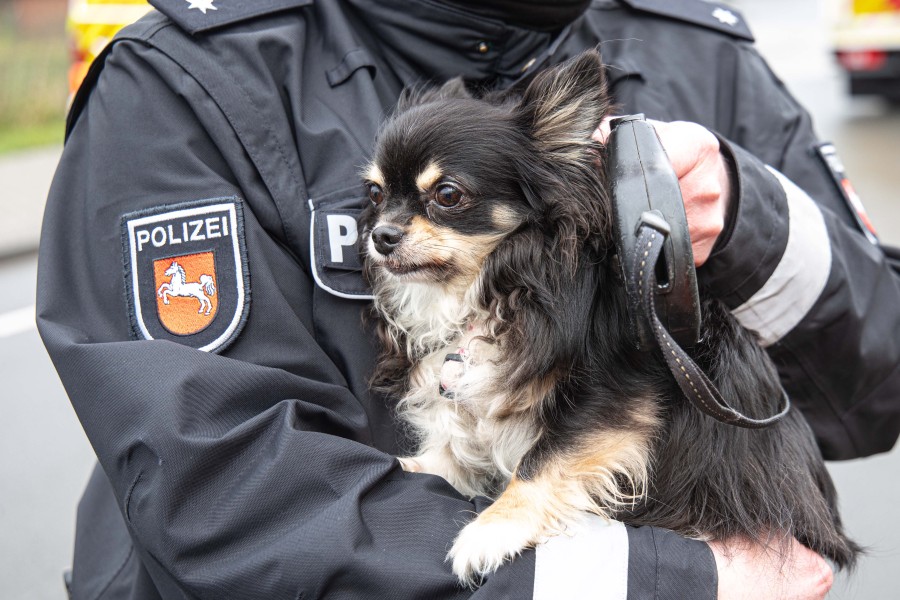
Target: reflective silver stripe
587, 562
800, 276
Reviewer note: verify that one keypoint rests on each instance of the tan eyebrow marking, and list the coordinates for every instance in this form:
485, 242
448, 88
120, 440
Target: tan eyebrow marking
430, 176
374, 174
420, 226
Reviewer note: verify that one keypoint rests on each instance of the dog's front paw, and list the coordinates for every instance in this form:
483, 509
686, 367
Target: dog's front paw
485, 544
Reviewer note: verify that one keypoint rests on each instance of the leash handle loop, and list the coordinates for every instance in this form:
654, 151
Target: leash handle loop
696, 386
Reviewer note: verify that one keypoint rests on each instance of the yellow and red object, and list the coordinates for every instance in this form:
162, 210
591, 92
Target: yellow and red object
866, 25
862, 7
866, 42
91, 25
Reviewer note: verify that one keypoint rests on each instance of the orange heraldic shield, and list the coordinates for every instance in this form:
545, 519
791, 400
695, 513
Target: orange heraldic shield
186, 298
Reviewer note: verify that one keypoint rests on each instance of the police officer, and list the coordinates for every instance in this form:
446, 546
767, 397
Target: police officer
200, 294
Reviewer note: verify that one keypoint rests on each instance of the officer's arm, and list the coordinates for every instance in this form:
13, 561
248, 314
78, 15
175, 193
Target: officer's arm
794, 266
249, 473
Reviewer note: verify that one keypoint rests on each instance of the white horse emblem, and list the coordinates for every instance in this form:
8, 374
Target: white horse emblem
178, 287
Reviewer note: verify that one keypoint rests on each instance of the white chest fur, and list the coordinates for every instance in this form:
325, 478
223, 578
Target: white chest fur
464, 436
460, 437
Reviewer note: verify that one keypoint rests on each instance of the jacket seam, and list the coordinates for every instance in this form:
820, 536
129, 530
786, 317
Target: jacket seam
872, 392
736, 289
129, 494
813, 377
656, 555
118, 571
239, 131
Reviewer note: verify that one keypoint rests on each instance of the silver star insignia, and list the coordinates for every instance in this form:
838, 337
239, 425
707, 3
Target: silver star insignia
201, 5
726, 16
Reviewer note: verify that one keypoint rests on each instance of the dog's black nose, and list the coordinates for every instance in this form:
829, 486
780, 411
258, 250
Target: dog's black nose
386, 238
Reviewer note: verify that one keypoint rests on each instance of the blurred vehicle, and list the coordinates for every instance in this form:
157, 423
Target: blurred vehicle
867, 44
91, 25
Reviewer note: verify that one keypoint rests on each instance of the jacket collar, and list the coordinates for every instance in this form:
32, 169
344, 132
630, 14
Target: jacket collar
426, 40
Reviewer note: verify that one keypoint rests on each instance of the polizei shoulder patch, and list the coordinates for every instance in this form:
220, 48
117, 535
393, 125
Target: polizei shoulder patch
186, 274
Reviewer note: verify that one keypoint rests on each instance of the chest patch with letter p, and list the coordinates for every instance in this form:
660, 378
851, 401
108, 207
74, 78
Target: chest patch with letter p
186, 272
336, 267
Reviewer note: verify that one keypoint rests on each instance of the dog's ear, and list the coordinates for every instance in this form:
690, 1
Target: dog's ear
416, 95
563, 105
559, 111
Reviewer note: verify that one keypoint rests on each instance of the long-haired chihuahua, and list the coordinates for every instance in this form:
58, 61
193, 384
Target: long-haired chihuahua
503, 333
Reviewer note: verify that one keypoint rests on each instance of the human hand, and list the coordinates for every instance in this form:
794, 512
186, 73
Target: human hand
749, 571
703, 176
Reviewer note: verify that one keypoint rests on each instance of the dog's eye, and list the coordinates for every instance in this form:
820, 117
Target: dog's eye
447, 195
375, 194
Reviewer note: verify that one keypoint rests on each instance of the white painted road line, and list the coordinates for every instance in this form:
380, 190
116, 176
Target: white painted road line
17, 321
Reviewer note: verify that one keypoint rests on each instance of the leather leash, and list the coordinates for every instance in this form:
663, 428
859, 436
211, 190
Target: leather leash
653, 241
652, 231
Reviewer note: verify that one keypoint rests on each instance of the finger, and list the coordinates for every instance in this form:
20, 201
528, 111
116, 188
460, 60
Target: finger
601, 134
810, 569
688, 145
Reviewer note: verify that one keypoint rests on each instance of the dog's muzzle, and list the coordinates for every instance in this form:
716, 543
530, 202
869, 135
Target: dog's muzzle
386, 238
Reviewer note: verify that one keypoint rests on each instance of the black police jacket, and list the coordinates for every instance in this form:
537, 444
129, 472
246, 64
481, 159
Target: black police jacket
213, 152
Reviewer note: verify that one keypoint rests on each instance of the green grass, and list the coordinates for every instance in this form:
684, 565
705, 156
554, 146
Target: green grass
33, 88
22, 137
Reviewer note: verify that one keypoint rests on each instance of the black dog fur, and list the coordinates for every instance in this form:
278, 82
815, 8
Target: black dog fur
500, 205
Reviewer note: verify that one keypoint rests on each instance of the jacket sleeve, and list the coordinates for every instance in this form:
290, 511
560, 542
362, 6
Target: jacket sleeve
249, 473
795, 268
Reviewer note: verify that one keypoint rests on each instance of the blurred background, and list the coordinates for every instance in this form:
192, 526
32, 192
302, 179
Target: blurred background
35, 60
822, 49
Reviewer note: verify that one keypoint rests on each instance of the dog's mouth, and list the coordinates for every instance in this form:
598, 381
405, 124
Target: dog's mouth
423, 269
412, 270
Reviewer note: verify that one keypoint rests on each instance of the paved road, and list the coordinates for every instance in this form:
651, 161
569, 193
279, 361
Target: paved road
26, 179
44, 456
793, 36
46, 459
